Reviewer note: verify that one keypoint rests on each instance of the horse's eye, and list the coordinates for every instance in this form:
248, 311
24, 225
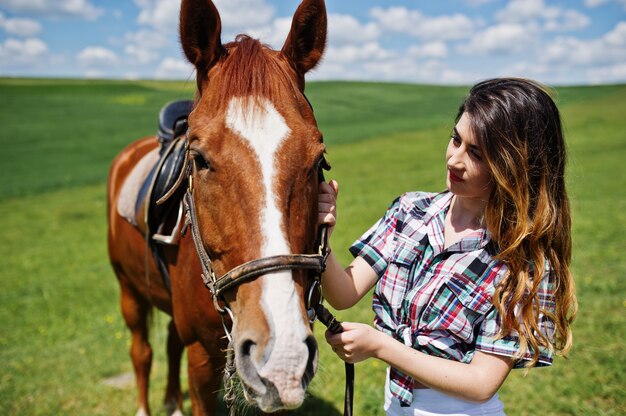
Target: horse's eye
200, 162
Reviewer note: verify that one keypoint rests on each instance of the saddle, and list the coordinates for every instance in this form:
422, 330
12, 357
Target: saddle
163, 175
173, 120
161, 212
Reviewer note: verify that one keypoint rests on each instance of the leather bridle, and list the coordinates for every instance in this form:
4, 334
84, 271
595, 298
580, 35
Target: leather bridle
218, 285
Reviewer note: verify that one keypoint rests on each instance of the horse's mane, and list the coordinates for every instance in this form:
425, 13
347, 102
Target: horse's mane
250, 70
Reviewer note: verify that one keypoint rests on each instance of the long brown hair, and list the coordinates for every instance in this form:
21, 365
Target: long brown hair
519, 128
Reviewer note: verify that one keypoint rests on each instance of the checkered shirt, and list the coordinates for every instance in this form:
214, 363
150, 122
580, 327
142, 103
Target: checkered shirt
438, 300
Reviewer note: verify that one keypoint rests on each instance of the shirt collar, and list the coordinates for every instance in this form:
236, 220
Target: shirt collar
434, 219
438, 207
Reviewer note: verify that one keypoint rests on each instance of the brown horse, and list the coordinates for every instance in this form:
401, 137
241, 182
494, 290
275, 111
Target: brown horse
254, 149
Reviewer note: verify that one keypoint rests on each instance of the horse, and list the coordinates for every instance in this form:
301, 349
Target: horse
253, 153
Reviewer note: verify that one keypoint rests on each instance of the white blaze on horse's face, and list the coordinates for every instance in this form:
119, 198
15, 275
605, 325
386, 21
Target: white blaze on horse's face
259, 123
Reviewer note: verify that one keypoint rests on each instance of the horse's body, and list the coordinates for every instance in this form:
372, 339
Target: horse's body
255, 151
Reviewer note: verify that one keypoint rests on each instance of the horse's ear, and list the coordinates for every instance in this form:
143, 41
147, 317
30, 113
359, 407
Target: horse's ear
307, 38
200, 34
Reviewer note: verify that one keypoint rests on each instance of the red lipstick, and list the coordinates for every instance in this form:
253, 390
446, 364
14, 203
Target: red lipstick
453, 177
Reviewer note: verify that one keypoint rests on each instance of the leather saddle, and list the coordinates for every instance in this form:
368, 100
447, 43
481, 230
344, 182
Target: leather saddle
157, 221
162, 221
173, 121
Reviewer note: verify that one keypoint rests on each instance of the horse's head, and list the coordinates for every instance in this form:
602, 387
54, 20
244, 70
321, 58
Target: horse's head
256, 153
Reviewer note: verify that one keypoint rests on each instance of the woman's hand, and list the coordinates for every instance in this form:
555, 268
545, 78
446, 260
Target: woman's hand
327, 204
356, 343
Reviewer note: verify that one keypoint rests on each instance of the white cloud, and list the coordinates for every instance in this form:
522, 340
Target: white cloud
478, 2
20, 27
273, 34
144, 46
610, 73
406, 69
344, 29
172, 68
236, 14
346, 54
569, 60
159, 31
138, 55
429, 50
20, 53
371, 61
567, 20
525, 10
617, 36
54, 8
347, 37
536, 11
97, 57
161, 15
149, 39
414, 23
158, 20
501, 39
596, 3
609, 49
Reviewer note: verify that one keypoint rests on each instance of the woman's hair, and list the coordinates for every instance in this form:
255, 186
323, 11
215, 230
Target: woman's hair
519, 128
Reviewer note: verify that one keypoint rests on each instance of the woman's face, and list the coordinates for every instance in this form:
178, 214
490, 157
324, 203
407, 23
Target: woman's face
468, 174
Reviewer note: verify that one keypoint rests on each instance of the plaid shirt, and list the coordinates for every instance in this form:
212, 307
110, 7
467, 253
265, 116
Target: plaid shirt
438, 300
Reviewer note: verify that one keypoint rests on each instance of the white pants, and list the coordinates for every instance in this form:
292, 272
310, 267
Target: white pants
429, 402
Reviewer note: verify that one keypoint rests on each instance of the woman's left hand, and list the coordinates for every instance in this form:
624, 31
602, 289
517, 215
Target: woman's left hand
356, 343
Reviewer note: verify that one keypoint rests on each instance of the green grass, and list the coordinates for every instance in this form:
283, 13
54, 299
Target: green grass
65, 133
62, 333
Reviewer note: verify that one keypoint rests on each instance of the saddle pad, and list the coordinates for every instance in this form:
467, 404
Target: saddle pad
130, 190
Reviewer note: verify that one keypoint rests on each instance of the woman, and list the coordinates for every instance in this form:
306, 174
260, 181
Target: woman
474, 281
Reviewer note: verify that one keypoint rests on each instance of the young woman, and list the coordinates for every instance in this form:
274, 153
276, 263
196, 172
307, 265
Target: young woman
473, 281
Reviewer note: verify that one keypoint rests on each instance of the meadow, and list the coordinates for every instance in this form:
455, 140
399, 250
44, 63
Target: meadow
63, 344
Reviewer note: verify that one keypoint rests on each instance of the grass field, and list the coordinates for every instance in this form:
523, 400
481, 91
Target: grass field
63, 345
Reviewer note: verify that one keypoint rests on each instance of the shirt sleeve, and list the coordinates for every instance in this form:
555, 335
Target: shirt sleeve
375, 245
489, 341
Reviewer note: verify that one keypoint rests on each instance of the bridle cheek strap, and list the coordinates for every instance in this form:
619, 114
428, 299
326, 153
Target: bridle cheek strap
217, 285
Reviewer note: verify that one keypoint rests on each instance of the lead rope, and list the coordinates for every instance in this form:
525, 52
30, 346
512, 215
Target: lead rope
334, 326
330, 321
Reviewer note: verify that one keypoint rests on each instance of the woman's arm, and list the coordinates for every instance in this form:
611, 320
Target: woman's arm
342, 288
477, 381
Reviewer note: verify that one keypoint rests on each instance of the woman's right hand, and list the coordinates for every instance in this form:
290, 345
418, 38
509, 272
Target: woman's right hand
327, 204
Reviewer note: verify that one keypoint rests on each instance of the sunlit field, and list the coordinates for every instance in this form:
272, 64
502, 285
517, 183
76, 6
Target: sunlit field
63, 344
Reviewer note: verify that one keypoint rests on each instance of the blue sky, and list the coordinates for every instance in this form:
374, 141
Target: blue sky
422, 41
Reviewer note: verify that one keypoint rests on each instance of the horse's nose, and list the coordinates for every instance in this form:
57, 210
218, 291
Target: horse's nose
277, 379
252, 360
248, 366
